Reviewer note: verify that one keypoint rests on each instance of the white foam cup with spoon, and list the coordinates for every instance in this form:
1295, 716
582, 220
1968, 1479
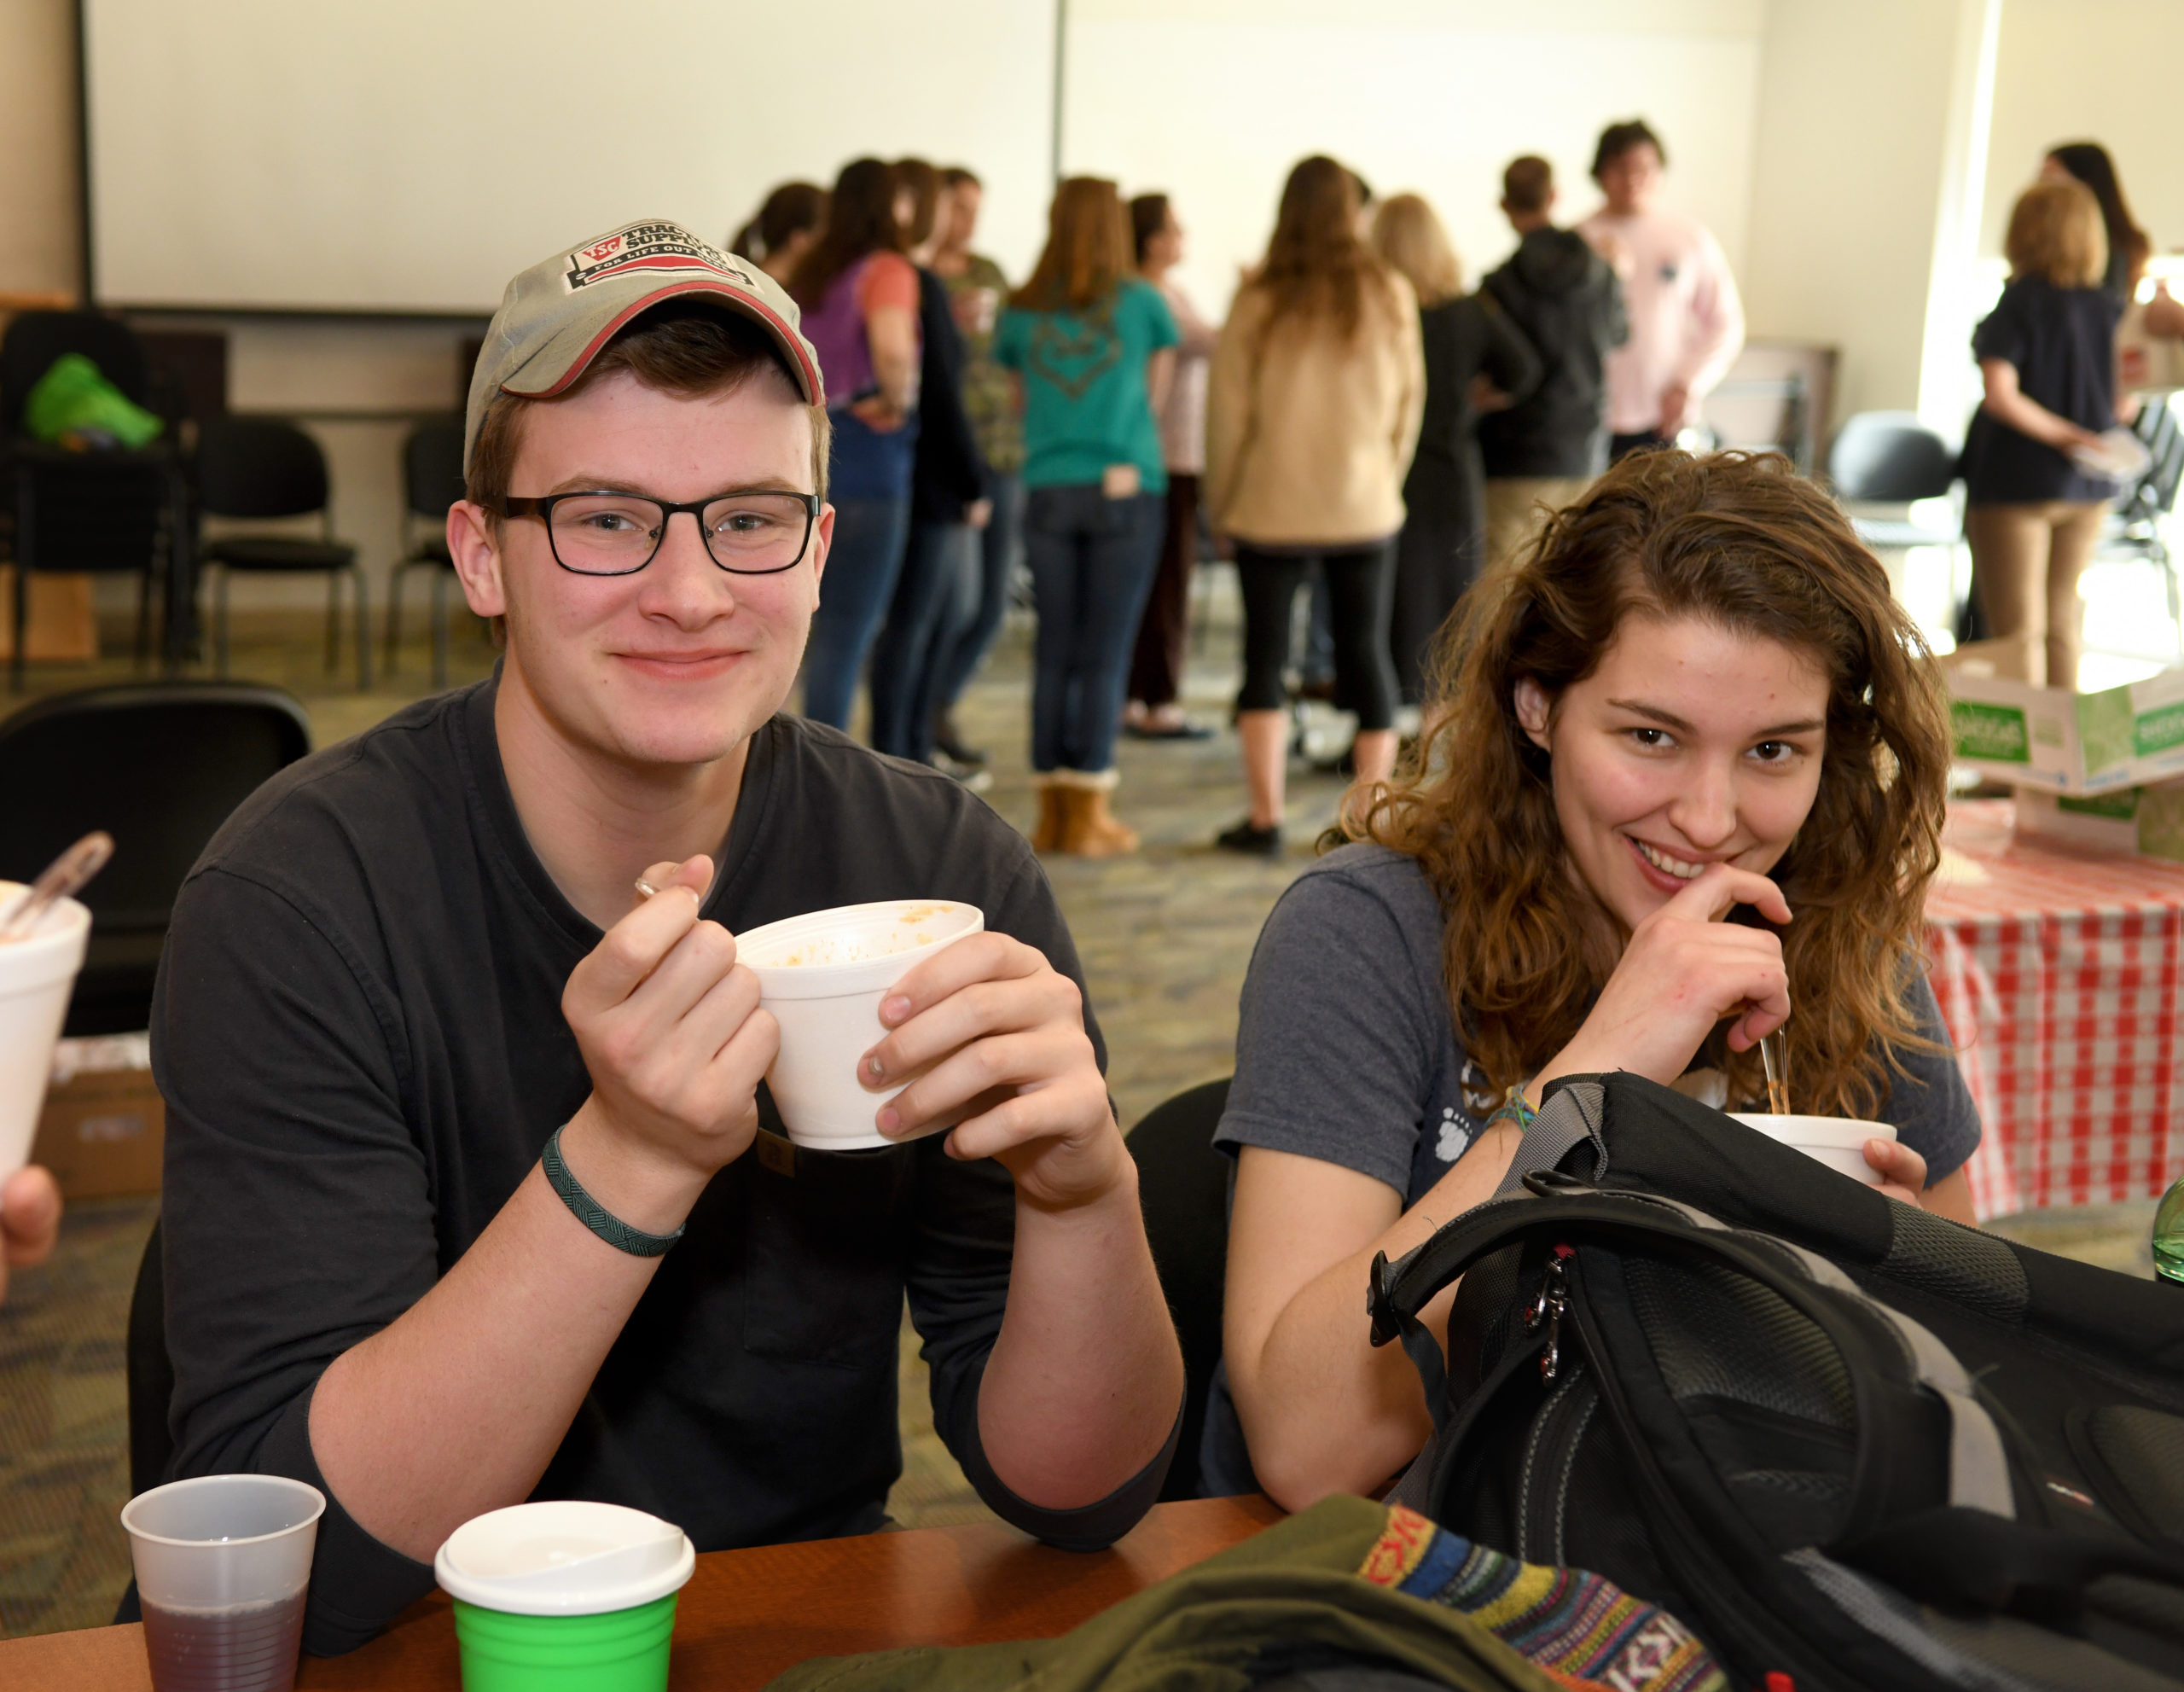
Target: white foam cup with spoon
1837, 1141
37, 974
44, 933
823, 976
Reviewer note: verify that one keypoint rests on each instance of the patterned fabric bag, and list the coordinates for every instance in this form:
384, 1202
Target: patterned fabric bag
1349, 1596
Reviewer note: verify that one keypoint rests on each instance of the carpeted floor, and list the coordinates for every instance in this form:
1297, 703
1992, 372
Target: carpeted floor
1165, 937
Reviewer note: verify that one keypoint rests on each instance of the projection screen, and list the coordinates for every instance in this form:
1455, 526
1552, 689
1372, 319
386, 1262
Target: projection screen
410, 155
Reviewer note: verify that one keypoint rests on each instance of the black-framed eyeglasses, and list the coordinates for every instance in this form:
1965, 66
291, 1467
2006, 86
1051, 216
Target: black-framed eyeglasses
758, 532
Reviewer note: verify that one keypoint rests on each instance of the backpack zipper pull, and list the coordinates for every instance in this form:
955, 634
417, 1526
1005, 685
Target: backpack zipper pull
1553, 1300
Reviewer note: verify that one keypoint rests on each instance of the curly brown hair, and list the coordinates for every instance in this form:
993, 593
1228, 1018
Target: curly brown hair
1743, 541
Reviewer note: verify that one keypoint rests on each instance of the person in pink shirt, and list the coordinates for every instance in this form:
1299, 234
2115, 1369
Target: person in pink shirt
1687, 322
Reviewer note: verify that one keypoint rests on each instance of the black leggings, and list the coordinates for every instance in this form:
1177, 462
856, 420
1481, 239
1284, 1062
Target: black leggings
1360, 587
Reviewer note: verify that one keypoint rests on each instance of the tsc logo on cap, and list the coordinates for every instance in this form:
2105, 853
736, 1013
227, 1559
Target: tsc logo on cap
648, 249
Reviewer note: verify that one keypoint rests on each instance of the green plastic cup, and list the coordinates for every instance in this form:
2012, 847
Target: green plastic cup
620, 1651
565, 1597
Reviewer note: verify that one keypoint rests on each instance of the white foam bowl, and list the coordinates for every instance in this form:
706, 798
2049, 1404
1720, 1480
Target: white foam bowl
564, 1557
823, 975
36, 974
1836, 1140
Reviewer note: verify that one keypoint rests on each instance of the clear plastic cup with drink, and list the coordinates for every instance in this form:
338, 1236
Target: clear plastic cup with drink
222, 1568
36, 974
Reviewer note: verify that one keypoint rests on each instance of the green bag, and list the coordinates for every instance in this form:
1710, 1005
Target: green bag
1348, 1582
73, 404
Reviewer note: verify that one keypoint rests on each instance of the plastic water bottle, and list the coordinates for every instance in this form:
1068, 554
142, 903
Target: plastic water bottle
2169, 1237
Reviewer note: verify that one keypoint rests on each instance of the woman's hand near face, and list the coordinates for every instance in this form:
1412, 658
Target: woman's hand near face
1684, 970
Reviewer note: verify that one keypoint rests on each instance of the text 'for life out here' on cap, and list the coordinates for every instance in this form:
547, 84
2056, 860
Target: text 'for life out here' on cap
557, 315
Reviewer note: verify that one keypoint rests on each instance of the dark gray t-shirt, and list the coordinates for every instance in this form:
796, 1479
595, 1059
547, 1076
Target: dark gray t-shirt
1347, 1051
358, 1033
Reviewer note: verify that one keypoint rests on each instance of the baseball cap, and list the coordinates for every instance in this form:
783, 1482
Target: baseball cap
557, 315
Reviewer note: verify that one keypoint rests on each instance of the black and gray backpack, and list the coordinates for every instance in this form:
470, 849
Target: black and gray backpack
1850, 1444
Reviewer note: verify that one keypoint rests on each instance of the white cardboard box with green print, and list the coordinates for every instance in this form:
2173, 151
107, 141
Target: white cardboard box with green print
2099, 768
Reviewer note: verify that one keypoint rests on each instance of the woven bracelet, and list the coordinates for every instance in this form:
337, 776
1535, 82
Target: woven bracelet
595, 1216
1515, 1110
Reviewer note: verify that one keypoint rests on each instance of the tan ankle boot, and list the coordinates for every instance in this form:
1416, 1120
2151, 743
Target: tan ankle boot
1089, 828
1047, 832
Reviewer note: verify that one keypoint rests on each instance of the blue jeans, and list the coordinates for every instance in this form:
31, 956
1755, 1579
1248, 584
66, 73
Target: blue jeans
859, 581
1092, 563
998, 548
924, 620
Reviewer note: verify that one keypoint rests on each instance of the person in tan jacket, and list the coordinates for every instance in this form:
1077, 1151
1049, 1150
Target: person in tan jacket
1315, 396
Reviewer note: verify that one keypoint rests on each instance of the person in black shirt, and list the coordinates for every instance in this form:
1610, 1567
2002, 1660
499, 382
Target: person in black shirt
948, 505
410, 962
1543, 452
2046, 352
1477, 361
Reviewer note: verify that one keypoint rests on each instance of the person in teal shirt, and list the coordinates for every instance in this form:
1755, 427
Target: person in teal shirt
1091, 346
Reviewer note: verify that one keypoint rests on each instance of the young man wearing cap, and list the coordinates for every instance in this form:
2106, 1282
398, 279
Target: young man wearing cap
474, 1190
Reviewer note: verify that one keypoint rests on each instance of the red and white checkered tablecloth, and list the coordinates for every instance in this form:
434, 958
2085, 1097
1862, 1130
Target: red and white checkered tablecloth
2057, 970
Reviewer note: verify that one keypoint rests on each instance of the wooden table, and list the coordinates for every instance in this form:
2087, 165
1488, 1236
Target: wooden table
746, 1616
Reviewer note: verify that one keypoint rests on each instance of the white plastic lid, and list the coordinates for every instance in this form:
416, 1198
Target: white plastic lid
564, 1557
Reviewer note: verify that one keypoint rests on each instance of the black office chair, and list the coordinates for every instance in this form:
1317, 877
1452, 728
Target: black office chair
1890, 458
159, 766
1881, 463
88, 512
431, 481
1183, 1187
264, 468
2137, 528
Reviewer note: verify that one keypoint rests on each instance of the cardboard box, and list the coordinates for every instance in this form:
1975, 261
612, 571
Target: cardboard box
2145, 820
103, 1130
63, 622
2075, 743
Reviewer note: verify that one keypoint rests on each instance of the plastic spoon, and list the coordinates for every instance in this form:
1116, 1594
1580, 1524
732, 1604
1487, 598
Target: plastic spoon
65, 875
1774, 1056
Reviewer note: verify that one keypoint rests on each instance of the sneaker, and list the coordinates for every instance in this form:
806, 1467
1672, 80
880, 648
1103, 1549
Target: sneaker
1248, 837
945, 738
1150, 730
975, 776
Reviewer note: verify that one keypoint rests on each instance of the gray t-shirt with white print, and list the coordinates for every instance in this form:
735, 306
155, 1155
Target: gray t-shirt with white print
1347, 1051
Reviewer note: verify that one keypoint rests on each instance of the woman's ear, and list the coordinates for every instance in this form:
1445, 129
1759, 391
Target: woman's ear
1534, 712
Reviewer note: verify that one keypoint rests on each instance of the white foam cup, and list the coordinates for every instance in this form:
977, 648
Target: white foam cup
222, 1542
823, 975
1836, 1140
37, 974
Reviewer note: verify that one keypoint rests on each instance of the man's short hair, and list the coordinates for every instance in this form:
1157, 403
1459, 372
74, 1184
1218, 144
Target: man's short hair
1528, 184
683, 347
1617, 139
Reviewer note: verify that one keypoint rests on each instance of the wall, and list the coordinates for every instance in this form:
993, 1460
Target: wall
38, 148
1212, 101
1861, 159
2090, 70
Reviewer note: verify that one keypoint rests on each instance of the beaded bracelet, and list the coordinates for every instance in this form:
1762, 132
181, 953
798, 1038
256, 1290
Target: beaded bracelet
594, 1215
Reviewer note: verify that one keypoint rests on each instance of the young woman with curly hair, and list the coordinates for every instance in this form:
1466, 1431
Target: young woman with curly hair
1683, 785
